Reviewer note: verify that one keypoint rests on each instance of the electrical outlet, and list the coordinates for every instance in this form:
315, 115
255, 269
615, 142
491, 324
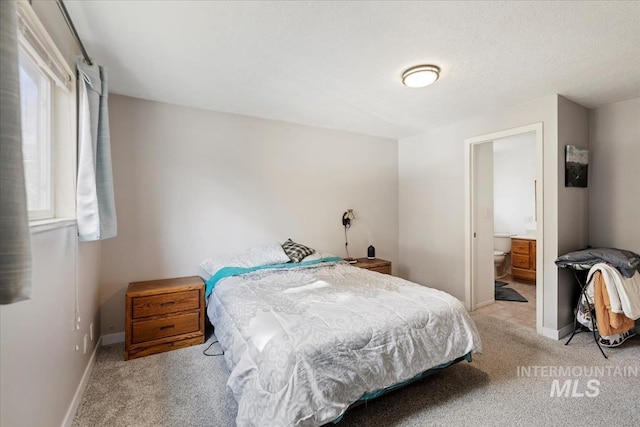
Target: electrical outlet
91, 331
85, 343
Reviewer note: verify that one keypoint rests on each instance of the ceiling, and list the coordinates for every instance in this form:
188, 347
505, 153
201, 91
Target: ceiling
338, 64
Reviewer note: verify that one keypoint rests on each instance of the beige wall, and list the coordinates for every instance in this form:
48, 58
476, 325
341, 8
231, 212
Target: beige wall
40, 369
431, 201
573, 202
614, 176
191, 183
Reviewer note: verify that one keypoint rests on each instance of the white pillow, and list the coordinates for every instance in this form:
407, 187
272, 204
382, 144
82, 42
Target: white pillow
215, 263
317, 256
267, 254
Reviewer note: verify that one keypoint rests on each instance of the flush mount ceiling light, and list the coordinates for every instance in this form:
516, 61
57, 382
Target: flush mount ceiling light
420, 76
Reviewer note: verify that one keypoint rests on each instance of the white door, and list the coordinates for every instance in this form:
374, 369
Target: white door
482, 271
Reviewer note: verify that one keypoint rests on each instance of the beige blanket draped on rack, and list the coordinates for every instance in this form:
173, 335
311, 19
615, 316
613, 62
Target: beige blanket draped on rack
609, 322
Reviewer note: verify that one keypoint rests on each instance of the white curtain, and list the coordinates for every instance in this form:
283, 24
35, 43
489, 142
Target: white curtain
95, 208
15, 237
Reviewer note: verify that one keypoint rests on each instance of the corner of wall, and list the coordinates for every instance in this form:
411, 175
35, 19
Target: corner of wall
613, 175
573, 202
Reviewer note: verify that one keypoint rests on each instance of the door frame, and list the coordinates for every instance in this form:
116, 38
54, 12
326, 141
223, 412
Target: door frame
536, 128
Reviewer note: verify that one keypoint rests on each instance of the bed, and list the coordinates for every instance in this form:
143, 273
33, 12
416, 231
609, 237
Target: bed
304, 341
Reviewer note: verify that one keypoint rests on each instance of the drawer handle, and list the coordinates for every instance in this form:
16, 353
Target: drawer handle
162, 328
165, 304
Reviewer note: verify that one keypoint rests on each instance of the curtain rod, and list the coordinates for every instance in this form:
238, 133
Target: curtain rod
69, 22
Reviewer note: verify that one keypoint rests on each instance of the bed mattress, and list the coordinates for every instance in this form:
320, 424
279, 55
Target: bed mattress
302, 344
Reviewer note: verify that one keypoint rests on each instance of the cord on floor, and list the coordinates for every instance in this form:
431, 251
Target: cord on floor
212, 343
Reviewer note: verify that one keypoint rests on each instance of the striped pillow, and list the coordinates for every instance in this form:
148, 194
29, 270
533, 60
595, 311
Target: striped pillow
296, 251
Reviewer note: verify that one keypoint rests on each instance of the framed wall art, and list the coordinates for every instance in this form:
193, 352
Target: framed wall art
576, 166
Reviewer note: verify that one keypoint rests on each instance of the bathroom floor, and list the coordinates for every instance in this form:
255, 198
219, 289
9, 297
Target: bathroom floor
522, 313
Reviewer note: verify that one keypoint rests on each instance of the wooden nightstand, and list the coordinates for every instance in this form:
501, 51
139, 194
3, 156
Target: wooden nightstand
376, 264
163, 315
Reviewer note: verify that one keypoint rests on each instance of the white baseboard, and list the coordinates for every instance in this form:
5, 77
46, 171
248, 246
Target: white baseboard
113, 338
77, 397
565, 331
557, 334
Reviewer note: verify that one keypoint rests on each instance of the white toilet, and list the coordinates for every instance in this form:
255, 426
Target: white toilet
501, 250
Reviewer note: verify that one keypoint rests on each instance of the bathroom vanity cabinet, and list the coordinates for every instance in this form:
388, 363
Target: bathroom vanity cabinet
523, 259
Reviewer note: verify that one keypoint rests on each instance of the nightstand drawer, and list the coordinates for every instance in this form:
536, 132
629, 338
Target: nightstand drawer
165, 303
383, 270
147, 330
520, 247
376, 264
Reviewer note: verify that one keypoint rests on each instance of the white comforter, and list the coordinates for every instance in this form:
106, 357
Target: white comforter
302, 344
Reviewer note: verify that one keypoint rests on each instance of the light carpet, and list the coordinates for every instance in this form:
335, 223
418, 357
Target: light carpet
186, 388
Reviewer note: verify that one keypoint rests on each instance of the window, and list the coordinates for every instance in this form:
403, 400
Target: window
36, 105
47, 101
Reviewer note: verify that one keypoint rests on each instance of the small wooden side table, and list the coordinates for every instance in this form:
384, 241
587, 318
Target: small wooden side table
163, 315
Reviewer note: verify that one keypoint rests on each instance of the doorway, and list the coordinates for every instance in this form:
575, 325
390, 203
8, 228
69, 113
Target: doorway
479, 218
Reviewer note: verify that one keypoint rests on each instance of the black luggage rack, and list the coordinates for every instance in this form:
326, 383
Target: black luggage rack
580, 274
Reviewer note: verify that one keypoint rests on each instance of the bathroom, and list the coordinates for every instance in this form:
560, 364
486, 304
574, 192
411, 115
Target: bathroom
514, 181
